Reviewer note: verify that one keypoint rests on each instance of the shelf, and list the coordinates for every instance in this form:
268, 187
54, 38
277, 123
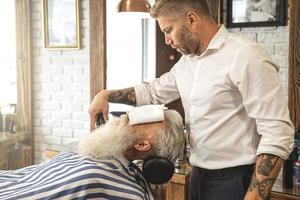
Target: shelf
15, 150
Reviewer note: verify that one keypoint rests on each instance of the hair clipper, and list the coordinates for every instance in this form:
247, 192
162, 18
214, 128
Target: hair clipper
99, 120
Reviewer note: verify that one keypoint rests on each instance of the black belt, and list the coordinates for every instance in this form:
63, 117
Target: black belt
224, 171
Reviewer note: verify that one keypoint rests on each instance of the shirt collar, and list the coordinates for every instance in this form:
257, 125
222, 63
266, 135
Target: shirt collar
219, 38
138, 174
124, 161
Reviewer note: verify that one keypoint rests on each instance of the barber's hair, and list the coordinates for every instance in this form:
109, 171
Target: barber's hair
171, 141
178, 8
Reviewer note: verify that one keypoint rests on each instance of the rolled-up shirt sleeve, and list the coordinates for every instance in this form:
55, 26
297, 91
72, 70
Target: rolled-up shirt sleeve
257, 79
161, 90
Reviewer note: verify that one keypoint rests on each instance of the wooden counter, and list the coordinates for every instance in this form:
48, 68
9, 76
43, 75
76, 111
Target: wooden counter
281, 193
7, 138
177, 187
15, 150
72, 147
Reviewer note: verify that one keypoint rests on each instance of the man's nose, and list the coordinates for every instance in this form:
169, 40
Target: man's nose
168, 40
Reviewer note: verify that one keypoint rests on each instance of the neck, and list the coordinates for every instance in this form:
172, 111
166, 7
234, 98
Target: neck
210, 30
132, 154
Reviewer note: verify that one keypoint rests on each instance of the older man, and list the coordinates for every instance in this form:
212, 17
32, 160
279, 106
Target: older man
102, 169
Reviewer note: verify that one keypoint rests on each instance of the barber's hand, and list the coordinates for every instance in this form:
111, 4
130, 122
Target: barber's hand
99, 105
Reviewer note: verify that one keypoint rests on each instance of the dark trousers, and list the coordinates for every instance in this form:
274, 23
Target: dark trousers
223, 184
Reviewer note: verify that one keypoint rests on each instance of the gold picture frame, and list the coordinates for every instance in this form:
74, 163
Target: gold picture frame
61, 24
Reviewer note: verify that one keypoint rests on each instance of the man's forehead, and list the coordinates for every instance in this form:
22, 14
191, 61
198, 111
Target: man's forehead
166, 22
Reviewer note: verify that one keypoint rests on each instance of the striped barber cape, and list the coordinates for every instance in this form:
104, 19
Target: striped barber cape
70, 176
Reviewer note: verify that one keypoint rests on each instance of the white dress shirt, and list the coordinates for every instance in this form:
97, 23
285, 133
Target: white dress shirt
233, 100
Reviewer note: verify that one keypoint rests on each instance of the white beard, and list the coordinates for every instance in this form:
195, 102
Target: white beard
107, 141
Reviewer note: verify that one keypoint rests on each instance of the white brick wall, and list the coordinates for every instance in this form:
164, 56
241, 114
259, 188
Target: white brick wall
61, 87
276, 42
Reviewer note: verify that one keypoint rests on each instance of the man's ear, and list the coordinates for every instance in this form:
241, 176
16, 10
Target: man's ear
143, 146
192, 18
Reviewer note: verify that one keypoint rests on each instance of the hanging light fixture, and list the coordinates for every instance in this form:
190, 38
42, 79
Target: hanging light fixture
133, 6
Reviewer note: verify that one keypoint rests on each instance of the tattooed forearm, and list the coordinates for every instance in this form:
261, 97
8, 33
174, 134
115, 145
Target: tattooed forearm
125, 96
264, 176
267, 164
263, 187
254, 183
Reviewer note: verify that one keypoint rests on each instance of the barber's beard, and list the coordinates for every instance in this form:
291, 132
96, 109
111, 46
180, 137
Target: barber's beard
107, 141
189, 43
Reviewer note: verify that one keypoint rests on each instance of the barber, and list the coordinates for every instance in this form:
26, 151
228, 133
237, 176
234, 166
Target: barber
235, 111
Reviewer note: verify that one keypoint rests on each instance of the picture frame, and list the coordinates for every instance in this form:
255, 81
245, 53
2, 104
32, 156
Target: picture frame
61, 24
256, 13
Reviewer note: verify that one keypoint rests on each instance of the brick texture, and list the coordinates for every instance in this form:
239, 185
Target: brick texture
61, 87
275, 41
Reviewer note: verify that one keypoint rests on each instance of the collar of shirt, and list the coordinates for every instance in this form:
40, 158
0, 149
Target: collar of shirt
142, 181
219, 38
124, 161
138, 175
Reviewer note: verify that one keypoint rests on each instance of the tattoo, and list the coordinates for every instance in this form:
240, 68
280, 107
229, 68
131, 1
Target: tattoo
264, 187
125, 96
254, 183
267, 164
265, 175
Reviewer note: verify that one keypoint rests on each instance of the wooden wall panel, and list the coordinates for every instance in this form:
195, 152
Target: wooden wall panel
294, 63
24, 69
97, 46
23, 62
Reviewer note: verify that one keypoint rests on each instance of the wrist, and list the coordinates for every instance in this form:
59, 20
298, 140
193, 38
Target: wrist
104, 94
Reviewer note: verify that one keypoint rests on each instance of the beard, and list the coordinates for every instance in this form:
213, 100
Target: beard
108, 141
188, 43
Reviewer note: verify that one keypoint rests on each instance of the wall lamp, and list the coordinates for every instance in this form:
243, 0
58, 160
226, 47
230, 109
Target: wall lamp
139, 7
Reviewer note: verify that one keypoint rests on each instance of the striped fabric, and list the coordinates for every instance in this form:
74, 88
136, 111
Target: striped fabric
69, 176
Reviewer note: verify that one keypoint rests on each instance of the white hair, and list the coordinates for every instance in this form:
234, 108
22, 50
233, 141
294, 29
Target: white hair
107, 141
112, 139
171, 141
